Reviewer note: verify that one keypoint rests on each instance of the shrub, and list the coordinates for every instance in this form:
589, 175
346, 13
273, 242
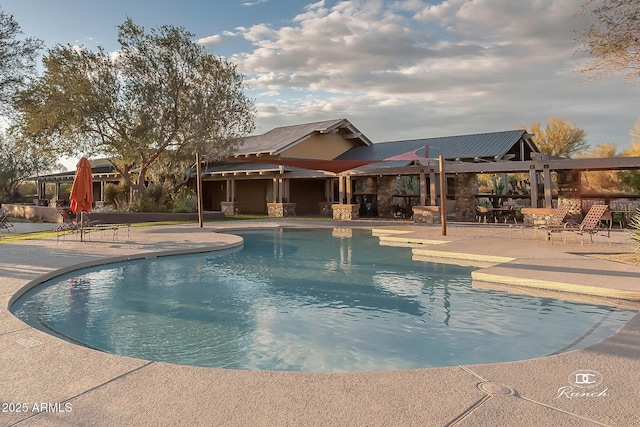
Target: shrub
154, 198
634, 228
185, 201
115, 195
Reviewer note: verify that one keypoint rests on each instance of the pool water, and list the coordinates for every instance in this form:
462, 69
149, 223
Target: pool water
306, 300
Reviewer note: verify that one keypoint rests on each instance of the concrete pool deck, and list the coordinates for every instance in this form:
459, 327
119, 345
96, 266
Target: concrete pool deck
48, 381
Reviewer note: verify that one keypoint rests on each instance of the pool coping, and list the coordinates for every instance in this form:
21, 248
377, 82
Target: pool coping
42, 368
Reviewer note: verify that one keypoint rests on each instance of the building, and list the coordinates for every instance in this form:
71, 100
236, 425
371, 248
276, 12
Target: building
314, 168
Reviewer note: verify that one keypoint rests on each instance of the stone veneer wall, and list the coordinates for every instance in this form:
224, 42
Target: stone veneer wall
465, 203
230, 208
386, 189
325, 208
281, 210
426, 214
345, 212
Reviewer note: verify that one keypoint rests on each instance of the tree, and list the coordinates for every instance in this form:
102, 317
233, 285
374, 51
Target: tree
17, 59
612, 38
559, 138
630, 179
19, 164
160, 97
601, 181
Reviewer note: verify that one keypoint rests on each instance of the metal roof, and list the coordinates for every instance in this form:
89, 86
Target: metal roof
281, 138
484, 145
98, 167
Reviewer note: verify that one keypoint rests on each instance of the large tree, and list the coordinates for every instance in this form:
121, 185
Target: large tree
631, 178
19, 162
160, 97
612, 38
17, 59
559, 138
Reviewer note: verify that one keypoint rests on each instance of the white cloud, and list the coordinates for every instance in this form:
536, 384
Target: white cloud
253, 3
214, 40
456, 66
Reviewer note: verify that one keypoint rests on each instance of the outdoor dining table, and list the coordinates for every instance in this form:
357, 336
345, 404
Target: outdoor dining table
504, 213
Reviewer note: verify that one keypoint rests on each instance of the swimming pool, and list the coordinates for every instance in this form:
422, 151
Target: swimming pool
306, 300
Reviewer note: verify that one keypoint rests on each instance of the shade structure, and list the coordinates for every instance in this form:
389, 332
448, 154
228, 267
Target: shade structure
334, 166
82, 190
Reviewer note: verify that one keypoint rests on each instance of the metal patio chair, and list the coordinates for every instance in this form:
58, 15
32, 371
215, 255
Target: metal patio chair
592, 223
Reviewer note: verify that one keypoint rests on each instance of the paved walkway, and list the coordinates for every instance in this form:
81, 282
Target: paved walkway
49, 382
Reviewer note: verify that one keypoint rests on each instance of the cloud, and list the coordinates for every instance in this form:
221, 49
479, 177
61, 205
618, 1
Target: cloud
253, 3
450, 67
214, 40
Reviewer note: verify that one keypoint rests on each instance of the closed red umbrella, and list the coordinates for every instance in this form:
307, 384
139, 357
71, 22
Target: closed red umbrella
82, 190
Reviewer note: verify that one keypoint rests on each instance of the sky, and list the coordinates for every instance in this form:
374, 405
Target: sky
395, 69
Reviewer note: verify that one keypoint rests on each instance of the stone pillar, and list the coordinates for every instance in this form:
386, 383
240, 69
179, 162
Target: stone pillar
345, 212
325, 208
280, 210
426, 214
385, 190
569, 190
230, 208
465, 203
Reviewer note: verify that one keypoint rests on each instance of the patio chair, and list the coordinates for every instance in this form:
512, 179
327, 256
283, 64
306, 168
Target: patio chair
555, 223
484, 212
4, 221
592, 223
68, 220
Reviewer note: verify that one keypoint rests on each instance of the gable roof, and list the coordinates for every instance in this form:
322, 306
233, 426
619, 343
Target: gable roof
279, 139
484, 145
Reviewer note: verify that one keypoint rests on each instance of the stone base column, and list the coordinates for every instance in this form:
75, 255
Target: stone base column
426, 214
346, 212
324, 208
573, 205
230, 208
280, 210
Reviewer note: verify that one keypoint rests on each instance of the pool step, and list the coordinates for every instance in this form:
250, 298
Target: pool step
458, 258
408, 242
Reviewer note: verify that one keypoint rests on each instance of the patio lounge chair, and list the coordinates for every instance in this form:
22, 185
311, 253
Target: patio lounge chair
592, 223
555, 223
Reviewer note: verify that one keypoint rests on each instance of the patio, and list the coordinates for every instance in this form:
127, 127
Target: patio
80, 386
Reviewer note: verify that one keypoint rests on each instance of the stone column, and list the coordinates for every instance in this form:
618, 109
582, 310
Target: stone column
466, 188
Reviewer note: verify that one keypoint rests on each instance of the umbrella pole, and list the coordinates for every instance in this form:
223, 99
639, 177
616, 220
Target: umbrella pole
82, 226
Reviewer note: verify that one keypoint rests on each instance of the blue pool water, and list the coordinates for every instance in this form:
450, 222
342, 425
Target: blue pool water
306, 300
